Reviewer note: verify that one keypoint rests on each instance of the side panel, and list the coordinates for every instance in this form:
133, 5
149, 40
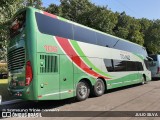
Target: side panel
123, 79
48, 76
66, 77
120, 78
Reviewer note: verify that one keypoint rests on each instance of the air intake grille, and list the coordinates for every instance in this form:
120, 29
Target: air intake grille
50, 64
16, 59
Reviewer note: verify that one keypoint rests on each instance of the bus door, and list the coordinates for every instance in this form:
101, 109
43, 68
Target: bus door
66, 77
48, 76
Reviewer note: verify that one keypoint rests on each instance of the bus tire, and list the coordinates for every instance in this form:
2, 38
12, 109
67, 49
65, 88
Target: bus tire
99, 88
82, 91
143, 80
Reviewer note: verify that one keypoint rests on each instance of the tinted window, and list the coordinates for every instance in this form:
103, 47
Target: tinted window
109, 65
139, 66
17, 24
124, 45
119, 65
84, 35
154, 57
106, 41
51, 26
131, 66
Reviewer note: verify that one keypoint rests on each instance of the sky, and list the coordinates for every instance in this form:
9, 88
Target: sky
149, 9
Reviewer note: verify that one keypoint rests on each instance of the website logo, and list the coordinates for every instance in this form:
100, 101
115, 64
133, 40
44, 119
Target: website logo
6, 114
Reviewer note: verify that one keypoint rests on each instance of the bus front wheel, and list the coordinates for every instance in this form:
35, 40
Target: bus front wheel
99, 88
82, 91
143, 80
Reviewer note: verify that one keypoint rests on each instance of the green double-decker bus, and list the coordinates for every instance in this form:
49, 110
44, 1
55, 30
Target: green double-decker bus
51, 58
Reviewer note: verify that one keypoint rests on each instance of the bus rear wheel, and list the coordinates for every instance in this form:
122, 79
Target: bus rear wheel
99, 88
82, 91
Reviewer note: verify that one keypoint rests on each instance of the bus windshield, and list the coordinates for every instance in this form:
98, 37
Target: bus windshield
17, 24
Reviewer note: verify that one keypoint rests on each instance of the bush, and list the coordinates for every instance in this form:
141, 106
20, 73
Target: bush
3, 71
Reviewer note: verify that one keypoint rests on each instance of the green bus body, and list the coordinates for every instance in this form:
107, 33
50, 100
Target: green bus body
53, 65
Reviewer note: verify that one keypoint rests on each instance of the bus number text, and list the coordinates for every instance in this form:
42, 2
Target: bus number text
49, 48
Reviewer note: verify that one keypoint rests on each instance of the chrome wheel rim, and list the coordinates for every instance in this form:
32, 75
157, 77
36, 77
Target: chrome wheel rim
83, 91
99, 87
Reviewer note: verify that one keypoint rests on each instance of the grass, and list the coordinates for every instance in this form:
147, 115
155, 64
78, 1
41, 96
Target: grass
3, 90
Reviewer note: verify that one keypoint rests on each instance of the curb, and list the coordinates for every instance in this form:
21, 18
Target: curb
11, 102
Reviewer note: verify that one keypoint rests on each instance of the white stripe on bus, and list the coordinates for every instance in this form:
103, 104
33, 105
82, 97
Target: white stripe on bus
56, 93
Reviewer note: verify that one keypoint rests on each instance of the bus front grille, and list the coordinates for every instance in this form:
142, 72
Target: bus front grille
16, 59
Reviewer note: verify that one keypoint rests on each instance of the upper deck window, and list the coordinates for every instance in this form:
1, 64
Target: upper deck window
56, 27
51, 26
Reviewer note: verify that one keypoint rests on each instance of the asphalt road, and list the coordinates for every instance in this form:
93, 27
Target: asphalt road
132, 98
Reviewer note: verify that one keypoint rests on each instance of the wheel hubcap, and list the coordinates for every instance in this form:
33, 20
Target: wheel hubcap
83, 91
99, 87
143, 81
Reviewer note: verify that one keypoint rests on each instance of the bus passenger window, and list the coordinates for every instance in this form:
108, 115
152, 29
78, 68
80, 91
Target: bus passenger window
109, 65
119, 65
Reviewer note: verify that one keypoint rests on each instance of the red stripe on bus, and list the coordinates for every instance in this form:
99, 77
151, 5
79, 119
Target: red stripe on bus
49, 14
75, 58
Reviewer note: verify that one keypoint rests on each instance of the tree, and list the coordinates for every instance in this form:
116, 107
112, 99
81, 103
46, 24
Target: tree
136, 37
129, 29
86, 13
101, 18
8, 9
152, 38
3, 68
72, 9
53, 8
34, 3
122, 27
145, 24
134, 32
